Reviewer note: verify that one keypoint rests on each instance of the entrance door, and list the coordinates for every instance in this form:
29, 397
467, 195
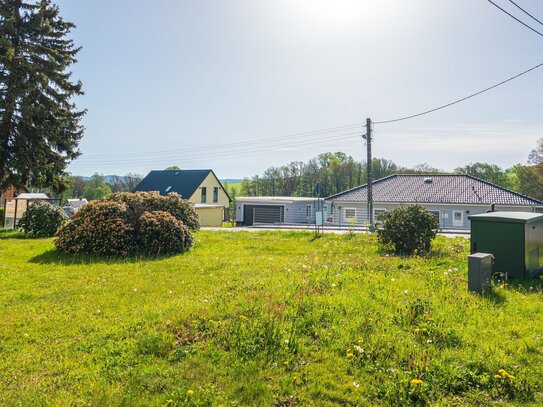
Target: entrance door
458, 218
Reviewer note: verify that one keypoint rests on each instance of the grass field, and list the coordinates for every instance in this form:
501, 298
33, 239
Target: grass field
266, 318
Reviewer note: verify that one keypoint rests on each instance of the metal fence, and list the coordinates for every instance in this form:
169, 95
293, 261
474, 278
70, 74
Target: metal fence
335, 217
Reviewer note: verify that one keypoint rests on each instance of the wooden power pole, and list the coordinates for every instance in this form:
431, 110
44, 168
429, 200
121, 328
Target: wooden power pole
369, 174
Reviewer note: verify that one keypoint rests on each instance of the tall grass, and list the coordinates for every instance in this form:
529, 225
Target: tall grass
267, 318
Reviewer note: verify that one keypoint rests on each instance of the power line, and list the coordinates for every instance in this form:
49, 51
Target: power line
525, 12
459, 100
229, 156
227, 150
513, 17
305, 134
222, 154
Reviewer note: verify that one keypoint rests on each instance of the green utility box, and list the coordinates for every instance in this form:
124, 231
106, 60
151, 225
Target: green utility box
514, 238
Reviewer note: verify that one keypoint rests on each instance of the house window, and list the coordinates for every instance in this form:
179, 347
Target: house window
308, 211
215, 194
350, 214
204, 194
435, 213
168, 189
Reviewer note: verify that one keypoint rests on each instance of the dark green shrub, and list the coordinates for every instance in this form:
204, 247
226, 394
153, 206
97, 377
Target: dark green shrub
407, 230
161, 232
126, 222
41, 219
139, 202
99, 227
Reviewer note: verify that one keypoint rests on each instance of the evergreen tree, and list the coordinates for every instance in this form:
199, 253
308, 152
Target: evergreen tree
39, 124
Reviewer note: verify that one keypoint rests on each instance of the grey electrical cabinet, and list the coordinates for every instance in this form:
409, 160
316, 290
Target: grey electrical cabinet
479, 272
515, 239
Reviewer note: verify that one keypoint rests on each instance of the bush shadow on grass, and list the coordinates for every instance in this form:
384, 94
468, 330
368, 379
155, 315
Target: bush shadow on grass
53, 256
12, 234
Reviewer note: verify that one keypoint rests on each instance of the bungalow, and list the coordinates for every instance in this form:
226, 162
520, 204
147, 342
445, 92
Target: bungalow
201, 187
452, 198
73, 205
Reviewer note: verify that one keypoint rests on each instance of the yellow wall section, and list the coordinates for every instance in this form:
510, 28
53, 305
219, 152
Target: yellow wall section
210, 182
210, 216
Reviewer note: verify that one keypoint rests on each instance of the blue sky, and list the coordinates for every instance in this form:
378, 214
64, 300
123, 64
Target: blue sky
164, 81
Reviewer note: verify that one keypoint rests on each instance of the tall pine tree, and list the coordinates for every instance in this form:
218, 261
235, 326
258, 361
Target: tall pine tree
39, 123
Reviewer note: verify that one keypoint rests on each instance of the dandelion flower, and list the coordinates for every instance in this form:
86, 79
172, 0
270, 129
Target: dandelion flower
497, 377
502, 371
416, 382
190, 393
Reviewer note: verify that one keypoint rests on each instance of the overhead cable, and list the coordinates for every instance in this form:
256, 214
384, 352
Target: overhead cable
525, 12
515, 18
459, 100
301, 135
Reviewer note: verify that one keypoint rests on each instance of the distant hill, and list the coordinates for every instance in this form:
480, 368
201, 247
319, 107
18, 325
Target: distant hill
231, 180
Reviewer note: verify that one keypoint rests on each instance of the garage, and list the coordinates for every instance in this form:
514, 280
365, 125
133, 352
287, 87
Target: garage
263, 214
210, 215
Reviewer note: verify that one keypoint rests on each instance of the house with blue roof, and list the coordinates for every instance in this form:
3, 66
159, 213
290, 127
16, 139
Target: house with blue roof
201, 187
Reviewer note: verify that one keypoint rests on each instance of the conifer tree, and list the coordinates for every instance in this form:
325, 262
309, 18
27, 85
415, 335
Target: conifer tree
39, 123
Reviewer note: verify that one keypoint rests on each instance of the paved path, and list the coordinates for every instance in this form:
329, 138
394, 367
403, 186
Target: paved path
448, 233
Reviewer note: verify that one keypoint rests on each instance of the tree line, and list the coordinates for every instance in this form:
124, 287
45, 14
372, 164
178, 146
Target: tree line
338, 172
95, 187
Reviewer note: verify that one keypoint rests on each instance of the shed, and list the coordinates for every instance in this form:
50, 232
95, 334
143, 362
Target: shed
514, 238
210, 215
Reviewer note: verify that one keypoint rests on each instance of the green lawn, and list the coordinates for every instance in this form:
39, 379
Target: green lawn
267, 318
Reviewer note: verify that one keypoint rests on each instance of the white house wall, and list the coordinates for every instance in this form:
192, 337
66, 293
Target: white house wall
294, 212
446, 212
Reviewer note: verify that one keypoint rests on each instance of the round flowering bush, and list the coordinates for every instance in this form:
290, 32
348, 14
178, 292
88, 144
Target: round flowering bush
161, 232
99, 227
139, 202
130, 222
41, 219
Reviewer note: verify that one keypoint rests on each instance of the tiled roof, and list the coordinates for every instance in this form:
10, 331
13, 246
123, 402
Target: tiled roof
438, 189
184, 182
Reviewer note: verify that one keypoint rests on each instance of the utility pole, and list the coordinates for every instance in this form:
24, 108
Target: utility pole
367, 137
